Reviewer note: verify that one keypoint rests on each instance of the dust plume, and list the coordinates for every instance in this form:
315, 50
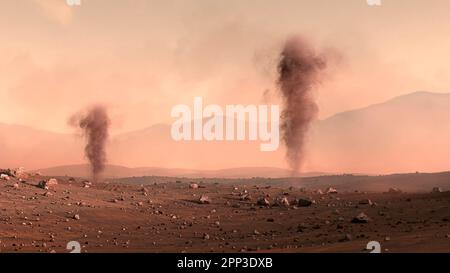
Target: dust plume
299, 72
94, 124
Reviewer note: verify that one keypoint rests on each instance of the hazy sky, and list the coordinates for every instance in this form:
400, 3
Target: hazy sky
142, 57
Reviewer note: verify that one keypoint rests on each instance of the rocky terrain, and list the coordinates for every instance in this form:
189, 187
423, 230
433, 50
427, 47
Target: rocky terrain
41, 214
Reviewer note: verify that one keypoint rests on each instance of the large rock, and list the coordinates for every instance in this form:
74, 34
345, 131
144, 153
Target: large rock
17, 172
4, 176
331, 190
361, 218
394, 190
283, 201
437, 189
52, 182
366, 202
20, 173
46, 184
204, 199
7, 172
262, 201
245, 197
302, 202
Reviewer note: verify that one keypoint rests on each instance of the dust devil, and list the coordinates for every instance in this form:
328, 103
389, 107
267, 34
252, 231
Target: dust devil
95, 124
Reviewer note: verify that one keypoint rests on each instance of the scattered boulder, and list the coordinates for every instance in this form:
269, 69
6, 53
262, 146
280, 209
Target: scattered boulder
76, 217
361, 218
283, 201
193, 186
346, 238
46, 184
245, 197
394, 190
42, 185
204, 199
20, 172
366, 202
331, 190
302, 202
437, 190
262, 201
7, 172
16, 185
52, 181
319, 191
4, 176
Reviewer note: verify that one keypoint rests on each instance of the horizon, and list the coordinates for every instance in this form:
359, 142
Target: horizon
168, 124
159, 132
310, 174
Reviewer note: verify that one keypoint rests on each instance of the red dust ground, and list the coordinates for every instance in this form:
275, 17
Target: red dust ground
166, 217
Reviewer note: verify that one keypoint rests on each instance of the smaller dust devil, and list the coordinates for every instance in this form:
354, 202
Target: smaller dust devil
94, 124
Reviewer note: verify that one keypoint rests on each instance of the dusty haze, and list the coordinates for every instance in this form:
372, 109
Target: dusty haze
140, 58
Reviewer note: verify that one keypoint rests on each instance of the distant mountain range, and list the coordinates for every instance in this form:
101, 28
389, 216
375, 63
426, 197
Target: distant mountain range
114, 171
405, 134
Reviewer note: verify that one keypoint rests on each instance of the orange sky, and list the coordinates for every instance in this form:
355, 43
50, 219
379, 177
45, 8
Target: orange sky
142, 57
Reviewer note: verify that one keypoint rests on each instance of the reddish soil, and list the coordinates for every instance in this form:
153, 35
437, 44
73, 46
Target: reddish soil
166, 217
